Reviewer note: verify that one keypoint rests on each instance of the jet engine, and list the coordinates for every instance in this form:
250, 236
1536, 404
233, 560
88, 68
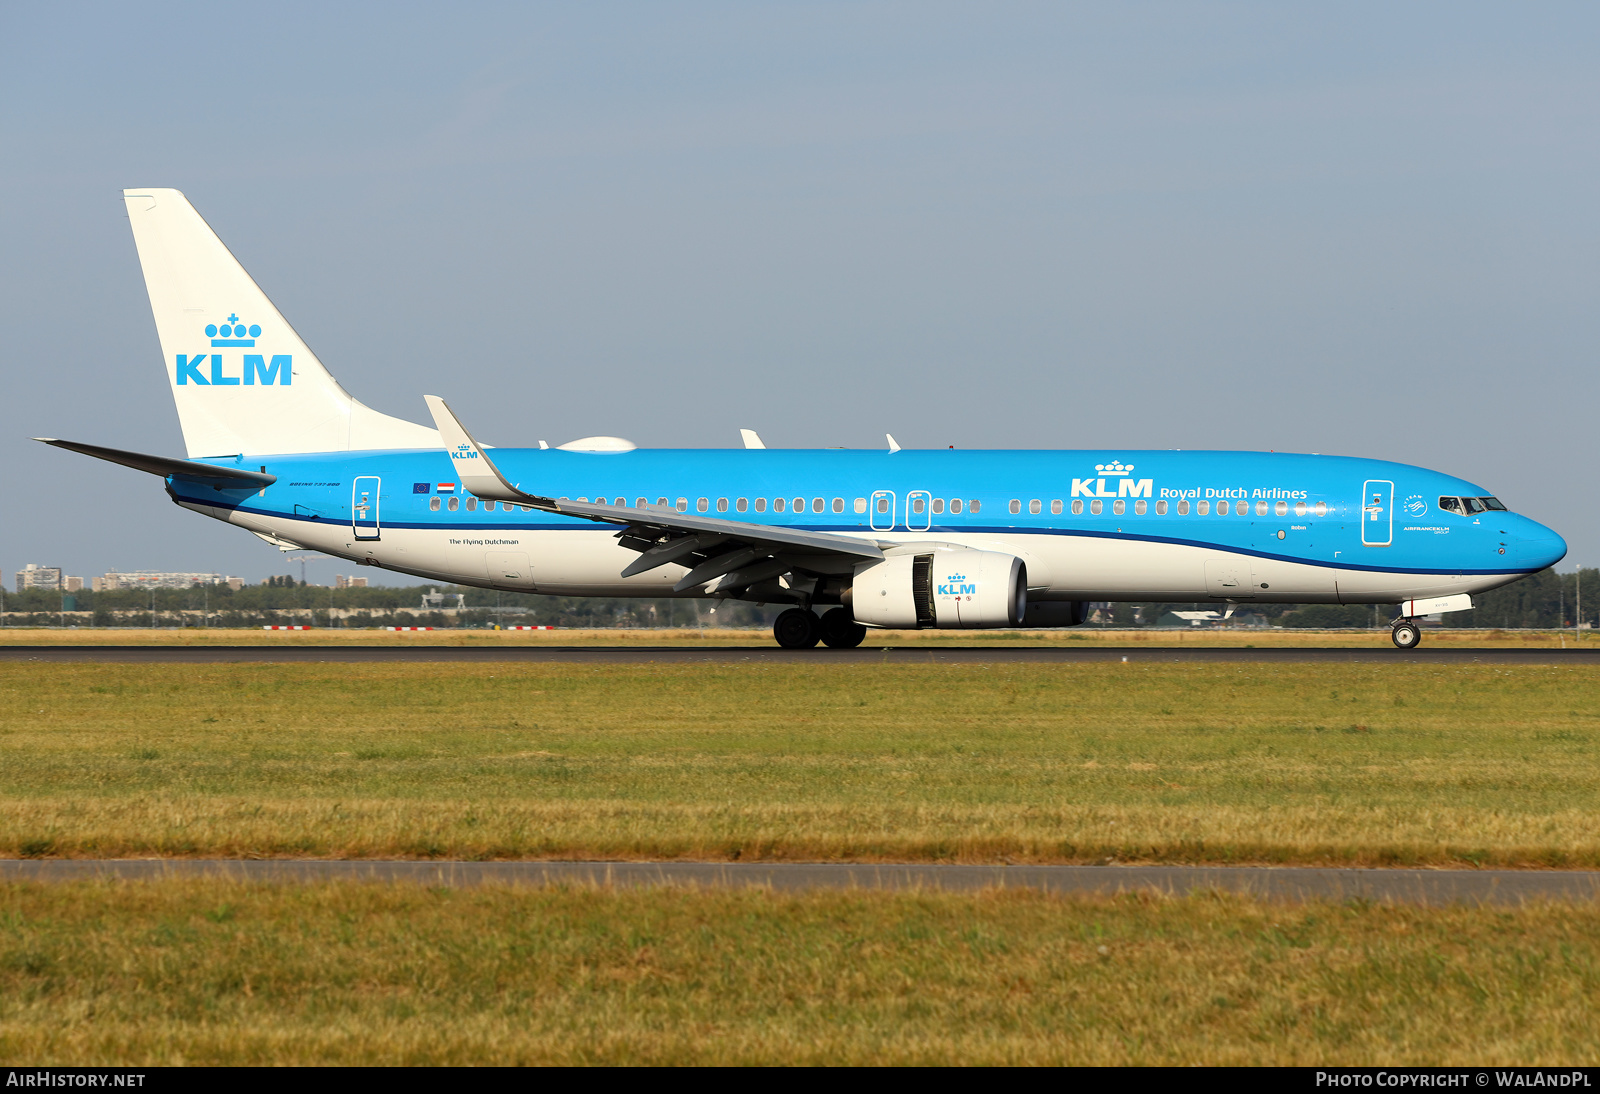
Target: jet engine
949, 590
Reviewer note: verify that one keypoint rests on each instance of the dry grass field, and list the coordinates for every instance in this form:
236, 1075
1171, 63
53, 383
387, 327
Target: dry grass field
1165, 762
1093, 636
211, 972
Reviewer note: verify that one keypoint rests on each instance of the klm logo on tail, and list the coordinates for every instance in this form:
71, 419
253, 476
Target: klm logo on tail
463, 452
234, 334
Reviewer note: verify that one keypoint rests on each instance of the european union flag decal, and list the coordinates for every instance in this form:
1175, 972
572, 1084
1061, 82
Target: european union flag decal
420, 487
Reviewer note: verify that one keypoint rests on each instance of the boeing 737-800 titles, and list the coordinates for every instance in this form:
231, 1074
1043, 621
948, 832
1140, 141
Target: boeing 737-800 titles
897, 538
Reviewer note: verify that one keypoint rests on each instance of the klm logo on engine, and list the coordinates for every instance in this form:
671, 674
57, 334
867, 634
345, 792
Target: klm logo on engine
1117, 472
463, 452
211, 370
957, 585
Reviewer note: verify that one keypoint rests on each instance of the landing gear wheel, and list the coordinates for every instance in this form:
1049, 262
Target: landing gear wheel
840, 630
796, 629
1406, 634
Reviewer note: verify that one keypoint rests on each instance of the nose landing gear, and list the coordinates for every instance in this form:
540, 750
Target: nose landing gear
1406, 634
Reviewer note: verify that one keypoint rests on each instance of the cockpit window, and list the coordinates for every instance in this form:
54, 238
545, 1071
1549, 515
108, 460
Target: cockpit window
1451, 505
1473, 505
1493, 503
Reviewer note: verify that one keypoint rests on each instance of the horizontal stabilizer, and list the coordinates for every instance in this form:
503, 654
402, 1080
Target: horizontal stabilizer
166, 465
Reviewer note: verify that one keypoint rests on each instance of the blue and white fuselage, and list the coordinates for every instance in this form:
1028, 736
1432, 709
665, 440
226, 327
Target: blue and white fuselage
1178, 526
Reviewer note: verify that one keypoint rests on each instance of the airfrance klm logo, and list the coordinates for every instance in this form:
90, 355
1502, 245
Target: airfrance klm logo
233, 334
463, 452
957, 585
1119, 472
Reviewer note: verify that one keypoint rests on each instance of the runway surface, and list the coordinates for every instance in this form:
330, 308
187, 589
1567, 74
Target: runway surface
1422, 887
918, 655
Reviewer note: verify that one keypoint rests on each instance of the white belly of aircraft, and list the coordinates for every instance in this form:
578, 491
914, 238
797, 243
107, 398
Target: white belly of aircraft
584, 562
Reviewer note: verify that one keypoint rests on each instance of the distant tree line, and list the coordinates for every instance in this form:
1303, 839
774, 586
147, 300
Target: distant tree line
1545, 599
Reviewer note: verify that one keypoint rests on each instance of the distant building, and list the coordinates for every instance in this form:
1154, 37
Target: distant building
159, 579
350, 581
33, 576
72, 584
435, 600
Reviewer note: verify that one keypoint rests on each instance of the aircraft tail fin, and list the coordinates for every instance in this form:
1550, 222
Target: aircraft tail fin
243, 380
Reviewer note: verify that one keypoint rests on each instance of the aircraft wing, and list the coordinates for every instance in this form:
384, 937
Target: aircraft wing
734, 554
166, 465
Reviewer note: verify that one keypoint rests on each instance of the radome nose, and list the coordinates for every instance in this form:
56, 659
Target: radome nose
1538, 547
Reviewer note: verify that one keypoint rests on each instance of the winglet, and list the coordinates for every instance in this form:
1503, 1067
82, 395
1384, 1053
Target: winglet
473, 466
751, 439
894, 445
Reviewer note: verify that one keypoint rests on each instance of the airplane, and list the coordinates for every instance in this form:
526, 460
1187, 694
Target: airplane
851, 541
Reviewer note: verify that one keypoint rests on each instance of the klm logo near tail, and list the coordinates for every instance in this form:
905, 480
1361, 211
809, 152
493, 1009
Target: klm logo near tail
1119, 472
957, 585
463, 452
254, 366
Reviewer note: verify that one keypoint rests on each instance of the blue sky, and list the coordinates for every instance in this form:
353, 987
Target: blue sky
1364, 229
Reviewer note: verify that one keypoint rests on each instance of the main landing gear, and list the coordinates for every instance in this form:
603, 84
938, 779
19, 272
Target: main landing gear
1406, 634
800, 629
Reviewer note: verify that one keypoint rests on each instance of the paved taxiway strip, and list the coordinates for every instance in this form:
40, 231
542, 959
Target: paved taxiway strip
1427, 887
911, 655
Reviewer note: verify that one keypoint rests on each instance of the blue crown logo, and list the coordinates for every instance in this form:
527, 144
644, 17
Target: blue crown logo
233, 333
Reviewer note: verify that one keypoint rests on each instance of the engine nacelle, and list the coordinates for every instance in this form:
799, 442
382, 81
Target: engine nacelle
950, 590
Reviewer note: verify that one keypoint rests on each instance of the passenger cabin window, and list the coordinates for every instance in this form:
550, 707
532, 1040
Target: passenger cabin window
916, 505
701, 504
1034, 506
861, 505
1321, 509
1016, 506
1140, 507
433, 503
799, 505
472, 504
722, 505
838, 505
741, 505
683, 505
761, 505
1281, 509
1097, 507
1077, 507
818, 505
455, 503
779, 504
1261, 508
1299, 508
883, 504
1183, 507
1222, 508
661, 501
1055, 507
1161, 508
955, 505
974, 505
1119, 507
938, 505
1202, 508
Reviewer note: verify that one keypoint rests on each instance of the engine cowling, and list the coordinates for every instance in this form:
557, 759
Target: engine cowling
950, 590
